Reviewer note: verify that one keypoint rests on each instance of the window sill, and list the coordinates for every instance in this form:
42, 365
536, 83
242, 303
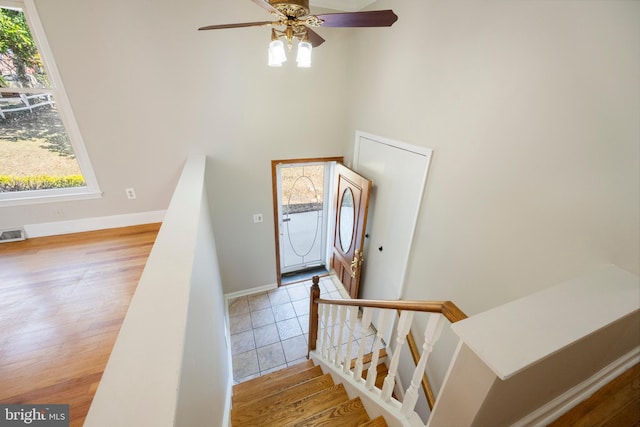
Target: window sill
48, 196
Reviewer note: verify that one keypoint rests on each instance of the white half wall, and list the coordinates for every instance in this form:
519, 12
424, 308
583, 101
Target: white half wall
539, 351
170, 364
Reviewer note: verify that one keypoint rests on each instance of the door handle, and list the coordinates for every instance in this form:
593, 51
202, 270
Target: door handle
356, 263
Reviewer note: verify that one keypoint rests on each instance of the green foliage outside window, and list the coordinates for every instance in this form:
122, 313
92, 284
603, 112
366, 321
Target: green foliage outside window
39, 182
17, 43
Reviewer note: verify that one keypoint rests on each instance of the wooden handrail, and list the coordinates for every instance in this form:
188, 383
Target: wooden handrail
448, 309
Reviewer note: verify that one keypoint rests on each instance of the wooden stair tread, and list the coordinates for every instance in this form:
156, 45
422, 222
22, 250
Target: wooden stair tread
346, 414
238, 389
381, 370
277, 384
300, 395
376, 422
262, 407
366, 359
297, 411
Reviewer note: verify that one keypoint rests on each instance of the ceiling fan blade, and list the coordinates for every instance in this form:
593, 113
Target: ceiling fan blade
374, 18
241, 25
263, 4
314, 38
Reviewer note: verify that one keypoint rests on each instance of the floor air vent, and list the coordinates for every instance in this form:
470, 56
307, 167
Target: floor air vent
12, 235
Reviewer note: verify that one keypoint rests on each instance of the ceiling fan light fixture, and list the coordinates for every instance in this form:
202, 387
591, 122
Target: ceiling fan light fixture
304, 54
277, 55
299, 24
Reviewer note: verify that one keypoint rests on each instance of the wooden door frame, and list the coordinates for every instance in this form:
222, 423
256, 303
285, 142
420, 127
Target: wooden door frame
274, 186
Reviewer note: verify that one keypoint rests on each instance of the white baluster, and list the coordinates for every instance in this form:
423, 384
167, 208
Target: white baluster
320, 334
353, 317
326, 343
332, 349
343, 318
366, 322
431, 335
383, 321
406, 317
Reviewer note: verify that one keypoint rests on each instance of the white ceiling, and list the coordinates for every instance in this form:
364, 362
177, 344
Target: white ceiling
345, 5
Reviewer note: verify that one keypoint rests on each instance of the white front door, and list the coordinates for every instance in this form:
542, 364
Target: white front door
303, 194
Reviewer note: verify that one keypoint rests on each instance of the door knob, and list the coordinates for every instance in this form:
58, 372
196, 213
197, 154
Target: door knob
356, 263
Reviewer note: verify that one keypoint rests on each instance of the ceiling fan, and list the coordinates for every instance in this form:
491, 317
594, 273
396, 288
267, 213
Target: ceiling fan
296, 23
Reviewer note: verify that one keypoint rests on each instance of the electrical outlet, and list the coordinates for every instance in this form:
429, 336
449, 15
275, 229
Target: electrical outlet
131, 193
257, 218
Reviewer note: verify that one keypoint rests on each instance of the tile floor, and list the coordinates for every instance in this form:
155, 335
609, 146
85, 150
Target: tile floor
269, 330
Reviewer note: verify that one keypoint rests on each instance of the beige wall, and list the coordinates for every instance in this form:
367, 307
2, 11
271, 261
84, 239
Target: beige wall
147, 89
532, 111
531, 107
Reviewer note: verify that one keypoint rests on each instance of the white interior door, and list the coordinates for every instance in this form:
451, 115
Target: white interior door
399, 173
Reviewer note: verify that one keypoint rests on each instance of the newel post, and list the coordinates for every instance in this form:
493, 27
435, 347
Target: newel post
313, 314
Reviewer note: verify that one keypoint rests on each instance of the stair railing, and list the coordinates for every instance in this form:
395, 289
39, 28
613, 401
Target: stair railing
328, 341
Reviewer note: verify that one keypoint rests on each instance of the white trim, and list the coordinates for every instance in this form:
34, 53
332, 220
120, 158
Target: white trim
34, 197
581, 392
226, 417
92, 224
226, 422
251, 291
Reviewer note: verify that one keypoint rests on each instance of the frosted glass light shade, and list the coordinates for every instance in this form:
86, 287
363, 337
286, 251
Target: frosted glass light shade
276, 53
304, 55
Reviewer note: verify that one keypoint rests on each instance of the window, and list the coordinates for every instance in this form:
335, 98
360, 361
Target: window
42, 157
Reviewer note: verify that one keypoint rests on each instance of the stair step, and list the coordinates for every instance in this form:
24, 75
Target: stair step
277, 384
266, 379
366, 359
382, 371
346, 414
264, 406
376, 422
304, 408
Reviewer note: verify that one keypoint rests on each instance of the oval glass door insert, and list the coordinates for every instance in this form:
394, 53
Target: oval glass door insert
303, 219
347, 218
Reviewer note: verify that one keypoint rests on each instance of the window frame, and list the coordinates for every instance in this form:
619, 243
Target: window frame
91, 190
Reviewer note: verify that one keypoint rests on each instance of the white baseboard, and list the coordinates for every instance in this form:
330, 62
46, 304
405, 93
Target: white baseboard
246, 292
568, 400
226, 420
92, 224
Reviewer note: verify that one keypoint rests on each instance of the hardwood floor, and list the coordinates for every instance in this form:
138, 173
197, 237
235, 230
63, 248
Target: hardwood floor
62, 302
617, 404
